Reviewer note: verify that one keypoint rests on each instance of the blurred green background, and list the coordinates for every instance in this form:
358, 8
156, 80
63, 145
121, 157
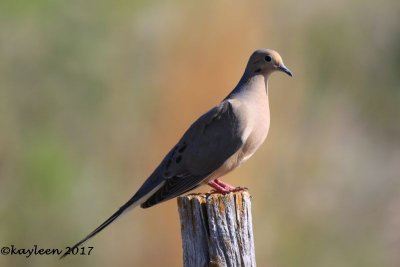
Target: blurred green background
94, 93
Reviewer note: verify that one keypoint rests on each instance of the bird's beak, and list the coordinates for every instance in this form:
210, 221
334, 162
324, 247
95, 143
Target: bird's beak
285, 70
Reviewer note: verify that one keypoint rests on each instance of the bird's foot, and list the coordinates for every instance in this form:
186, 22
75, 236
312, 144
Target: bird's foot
223, 188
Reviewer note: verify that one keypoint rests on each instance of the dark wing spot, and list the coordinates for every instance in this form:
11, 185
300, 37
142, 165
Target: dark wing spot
178, 159
182, 148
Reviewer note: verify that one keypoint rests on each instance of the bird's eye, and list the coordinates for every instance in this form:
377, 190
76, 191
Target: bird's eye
268, 58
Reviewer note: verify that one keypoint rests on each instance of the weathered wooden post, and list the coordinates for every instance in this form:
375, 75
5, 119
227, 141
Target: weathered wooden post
217, 230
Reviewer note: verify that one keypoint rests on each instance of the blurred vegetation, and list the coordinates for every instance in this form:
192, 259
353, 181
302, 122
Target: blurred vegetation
94, 93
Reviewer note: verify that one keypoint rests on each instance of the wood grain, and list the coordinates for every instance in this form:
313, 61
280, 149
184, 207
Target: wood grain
217, 230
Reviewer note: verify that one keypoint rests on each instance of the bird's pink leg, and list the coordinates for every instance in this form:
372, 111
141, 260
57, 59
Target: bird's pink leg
225, 185
217, 187
222, 187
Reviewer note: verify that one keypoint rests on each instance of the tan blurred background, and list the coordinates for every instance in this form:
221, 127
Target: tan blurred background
94, 93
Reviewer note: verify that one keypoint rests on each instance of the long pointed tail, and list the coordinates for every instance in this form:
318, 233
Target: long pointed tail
131, 203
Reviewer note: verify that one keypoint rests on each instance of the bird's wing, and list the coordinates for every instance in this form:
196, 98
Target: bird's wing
206, 145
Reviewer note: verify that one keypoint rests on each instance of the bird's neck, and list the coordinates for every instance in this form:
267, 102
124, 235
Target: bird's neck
250, 85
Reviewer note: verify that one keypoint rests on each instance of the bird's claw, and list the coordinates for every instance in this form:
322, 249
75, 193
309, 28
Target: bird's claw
224, 188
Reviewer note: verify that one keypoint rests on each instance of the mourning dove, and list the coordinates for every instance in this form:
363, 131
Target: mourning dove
215, 144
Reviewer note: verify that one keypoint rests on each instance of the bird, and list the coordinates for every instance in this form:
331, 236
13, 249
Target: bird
215, 144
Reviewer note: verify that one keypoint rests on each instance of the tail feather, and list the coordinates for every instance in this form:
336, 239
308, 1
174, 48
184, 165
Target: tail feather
107, 222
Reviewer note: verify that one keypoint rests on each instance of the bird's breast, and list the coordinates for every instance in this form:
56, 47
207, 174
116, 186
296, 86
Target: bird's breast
255, 119
257, 131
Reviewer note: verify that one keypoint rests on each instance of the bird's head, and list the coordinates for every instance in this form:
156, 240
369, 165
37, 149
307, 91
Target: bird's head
266, 61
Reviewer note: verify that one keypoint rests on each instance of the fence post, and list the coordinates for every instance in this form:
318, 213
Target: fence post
217, 230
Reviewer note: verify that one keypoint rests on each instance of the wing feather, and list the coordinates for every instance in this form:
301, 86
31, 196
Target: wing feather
207, 144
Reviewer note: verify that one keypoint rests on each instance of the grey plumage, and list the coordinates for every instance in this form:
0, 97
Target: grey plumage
216, 143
